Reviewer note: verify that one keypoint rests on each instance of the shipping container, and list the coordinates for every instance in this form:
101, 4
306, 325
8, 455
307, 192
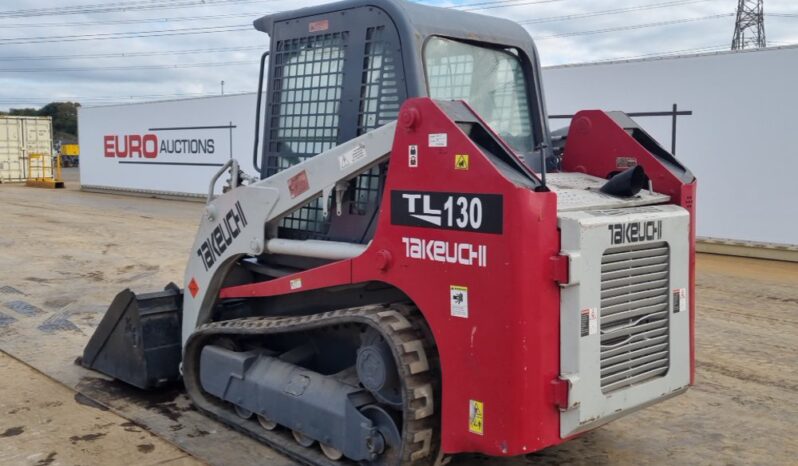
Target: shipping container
21, 136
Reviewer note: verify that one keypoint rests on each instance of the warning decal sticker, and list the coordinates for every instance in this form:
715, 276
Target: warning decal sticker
588, 322
412, 156
458, 298
438, 140
476, 417
298, 184
193, 288
679, 299
461, 162
318, 26
346, 159
625, 162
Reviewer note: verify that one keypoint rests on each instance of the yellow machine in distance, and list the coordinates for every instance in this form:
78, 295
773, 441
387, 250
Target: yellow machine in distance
70, 154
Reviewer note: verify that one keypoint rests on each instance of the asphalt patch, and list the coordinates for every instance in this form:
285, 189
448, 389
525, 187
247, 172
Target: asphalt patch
10, 290
58, 322
23, 308
130, 426
48, 460
86, 401
13, 431
86, 438
145, 447
6, 320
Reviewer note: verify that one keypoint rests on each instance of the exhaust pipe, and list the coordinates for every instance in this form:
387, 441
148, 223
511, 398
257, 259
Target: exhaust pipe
626, 183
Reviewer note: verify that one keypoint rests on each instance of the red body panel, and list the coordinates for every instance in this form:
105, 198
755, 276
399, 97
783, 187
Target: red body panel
337, 273
505, 354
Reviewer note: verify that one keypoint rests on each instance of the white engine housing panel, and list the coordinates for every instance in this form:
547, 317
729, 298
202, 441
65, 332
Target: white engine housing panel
625, 317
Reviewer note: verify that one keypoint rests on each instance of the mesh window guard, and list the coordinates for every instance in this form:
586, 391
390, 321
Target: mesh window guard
308, 80
379, 104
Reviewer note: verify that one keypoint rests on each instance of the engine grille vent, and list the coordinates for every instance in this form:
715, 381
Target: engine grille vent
634, 316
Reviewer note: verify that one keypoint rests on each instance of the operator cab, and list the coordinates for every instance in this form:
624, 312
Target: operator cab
339, 70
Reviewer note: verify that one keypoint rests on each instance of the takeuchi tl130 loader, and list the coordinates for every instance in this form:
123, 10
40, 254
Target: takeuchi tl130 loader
420, 268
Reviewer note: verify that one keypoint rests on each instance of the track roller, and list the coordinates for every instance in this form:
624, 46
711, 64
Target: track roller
302, 439
243, 413
266, 424
331, 452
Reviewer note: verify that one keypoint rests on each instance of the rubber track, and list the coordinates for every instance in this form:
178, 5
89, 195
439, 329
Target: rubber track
400, 324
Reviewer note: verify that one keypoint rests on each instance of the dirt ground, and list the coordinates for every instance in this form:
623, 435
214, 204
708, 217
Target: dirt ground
65, 254
46, 423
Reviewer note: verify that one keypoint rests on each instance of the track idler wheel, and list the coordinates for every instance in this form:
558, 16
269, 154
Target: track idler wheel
387, 445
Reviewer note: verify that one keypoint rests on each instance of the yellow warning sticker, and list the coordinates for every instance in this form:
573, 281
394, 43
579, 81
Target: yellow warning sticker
476, 417
461, 162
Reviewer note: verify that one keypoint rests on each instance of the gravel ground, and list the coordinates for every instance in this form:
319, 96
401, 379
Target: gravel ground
67, 253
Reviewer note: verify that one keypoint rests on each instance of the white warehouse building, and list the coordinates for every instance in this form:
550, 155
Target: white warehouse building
736, 138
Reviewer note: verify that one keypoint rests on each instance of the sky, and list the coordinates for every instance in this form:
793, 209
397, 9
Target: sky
101, 52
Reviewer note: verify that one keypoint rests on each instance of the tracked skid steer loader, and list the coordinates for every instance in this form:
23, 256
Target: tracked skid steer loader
419, 268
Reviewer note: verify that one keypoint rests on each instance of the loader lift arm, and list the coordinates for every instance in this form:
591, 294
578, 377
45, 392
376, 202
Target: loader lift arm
244, 220
233, 225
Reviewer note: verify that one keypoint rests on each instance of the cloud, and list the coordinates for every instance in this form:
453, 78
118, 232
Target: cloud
164, 75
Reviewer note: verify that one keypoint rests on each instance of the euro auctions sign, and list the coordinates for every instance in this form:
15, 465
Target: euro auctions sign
173, 145
133, 145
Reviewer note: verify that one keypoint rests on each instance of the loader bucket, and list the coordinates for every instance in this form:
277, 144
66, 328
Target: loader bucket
138, 340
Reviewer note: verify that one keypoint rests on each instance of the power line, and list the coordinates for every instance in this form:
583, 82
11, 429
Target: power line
118, 7
38, 101
592, 14
667, 53
130, 54
499, 4
126, 35
134, 67
124, 97
636, 26
465, 7
143, 5
206, 30
174, 19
